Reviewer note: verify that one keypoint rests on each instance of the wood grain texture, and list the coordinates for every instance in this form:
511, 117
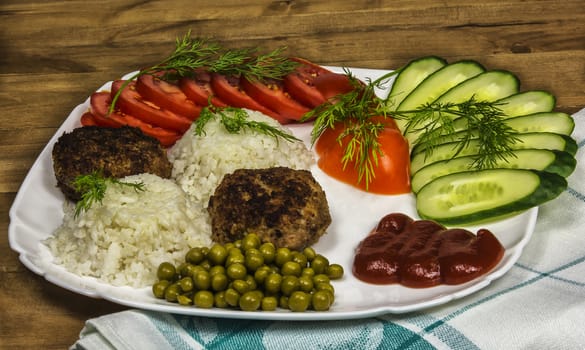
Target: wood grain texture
53, 54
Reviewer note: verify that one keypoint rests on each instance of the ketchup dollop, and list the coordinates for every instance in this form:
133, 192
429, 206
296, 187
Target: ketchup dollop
423, 253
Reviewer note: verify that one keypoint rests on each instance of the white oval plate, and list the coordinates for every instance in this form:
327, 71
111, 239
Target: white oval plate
37, 212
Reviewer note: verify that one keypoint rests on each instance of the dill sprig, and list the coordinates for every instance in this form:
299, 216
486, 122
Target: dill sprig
234, 120
191, 54
355, 110
93, 189
482, 121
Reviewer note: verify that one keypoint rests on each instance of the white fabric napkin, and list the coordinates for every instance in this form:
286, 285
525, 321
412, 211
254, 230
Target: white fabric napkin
538, 304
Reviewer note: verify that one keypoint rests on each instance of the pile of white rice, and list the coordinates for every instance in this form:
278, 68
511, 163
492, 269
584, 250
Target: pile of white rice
123, 240
200, 162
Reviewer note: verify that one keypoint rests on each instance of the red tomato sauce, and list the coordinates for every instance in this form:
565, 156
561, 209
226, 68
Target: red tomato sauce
423, 253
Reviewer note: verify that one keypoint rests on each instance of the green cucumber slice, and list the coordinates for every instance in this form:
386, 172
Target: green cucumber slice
478, 196
410, 76
489, 86
558, 162
551, 122
440, 81
527, 102
538, 140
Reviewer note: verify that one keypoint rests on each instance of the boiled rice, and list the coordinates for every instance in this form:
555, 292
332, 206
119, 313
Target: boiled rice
123, 240
200, 162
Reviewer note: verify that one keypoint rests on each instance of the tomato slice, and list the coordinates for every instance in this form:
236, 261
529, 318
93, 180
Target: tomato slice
271, 94
166, 95
392, 173
100, 104
87, 119
299, 84
228, 88
333, 84
199, 89
132, 103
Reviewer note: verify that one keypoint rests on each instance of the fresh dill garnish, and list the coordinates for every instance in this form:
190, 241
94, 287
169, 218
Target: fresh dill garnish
355, 110
235, 120
191, 54
483, 121
93, 189
432, 122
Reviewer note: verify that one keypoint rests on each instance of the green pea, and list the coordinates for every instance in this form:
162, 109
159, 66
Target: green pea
172, 292
190, 270
283, 255
166, 271
217, 254
202, 280
217, 270
268, 251
184, 300
219, 282
308, 271
241, 286
235, 259
250, 301
219, 300
289, 285
321, 278
319, 264
300, 259
251, 240
272, 283
205, 264
158, 288
186, 284
326, 287
236, 271
283, 302
321, 300
233, 250
203, 299
306, 284
261, 274
251, 282
254, 261
309, 253
299, 301
291, 268
335, 271
195, 255
269, 303
232, 297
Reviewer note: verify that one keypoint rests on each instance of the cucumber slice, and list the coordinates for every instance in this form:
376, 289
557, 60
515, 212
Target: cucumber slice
410, 76
489, 86
471, 197
440, 81
527, 102
558, 162
551, 122
538, 140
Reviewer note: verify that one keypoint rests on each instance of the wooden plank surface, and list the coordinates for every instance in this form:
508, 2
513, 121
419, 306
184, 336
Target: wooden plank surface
53, 54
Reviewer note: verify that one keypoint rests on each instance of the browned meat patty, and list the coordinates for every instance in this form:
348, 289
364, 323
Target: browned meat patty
284, 206
116, 152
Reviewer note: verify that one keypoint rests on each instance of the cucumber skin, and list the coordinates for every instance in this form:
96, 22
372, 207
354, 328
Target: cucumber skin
428, 60
563, 164
551, 186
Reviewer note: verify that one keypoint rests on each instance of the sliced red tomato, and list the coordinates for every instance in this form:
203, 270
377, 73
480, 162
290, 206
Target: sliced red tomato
132, 103
100, 104
199, 89
299, 84
392, 173
271, 94
228, 88
87, 119
167, 95
333, 84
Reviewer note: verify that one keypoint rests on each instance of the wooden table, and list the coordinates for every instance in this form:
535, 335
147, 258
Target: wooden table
55, 53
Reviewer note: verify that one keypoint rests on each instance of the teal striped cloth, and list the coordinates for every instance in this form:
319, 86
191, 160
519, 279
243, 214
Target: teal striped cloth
538, 304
